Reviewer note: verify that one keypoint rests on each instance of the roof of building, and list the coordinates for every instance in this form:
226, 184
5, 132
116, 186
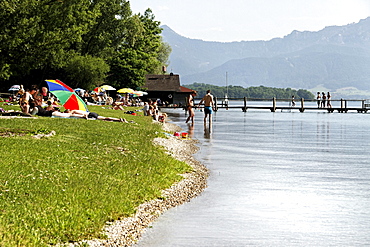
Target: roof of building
169, 82
185, 89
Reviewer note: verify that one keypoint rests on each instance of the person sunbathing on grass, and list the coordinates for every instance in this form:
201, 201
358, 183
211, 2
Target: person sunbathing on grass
116, 106
91, 115
40, 111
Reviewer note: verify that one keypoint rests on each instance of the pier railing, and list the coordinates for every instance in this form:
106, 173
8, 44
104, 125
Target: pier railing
274, 104
340, 105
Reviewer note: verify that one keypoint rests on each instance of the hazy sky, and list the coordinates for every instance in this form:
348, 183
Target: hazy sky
236, 20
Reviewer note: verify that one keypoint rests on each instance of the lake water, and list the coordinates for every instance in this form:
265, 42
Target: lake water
276, 179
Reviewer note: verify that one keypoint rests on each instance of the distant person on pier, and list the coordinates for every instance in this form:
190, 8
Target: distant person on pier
209, 104
323, 100
328, 103
190, 106
293, 103
318, 98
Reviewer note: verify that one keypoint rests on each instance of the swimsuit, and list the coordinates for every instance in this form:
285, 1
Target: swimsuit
208, 109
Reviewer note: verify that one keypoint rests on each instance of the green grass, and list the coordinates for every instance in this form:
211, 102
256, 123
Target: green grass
65, 187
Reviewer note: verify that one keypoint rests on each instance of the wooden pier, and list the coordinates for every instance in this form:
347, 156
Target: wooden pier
363, 105
274, 105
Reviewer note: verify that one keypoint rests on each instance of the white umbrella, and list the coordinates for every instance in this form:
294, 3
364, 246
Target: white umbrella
107, 87
14, 88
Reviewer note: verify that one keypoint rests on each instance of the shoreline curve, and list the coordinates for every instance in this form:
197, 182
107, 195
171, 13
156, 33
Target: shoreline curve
127, 232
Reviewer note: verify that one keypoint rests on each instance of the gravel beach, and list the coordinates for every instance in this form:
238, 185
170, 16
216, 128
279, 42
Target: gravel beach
126, 232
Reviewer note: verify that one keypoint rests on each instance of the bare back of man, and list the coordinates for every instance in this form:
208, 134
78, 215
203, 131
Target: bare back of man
208, 107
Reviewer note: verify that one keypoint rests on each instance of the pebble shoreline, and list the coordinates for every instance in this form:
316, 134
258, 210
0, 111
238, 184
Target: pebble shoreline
126, 232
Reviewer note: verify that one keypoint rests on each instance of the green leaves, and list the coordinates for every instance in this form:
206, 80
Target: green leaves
76, 39
142, 52
86, 70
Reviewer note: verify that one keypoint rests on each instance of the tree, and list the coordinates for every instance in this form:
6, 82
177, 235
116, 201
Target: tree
78, 40
86, 71
108, 30
143, 52
36, 35
260, 92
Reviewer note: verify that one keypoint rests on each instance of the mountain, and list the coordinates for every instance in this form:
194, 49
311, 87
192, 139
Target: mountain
333, 58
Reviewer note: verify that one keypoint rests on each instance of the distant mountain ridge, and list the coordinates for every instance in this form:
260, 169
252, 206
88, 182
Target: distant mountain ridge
335, 57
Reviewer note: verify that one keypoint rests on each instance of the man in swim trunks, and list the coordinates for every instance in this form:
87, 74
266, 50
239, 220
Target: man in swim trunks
209, 104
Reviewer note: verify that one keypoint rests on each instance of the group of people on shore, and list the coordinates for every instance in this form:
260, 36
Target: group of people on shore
151, 109
33, 101
209, 107
323, 100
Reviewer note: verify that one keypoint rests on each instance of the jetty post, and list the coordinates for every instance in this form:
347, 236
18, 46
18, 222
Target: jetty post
273, 109
216, 106
343, 106
302, 105
245, 105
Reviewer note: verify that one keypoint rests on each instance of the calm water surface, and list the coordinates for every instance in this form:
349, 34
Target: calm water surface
276, 179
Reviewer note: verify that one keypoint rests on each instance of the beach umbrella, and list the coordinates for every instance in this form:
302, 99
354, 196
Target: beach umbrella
137, 93
98, 89
66, 95
125, 90
107, 87
141, 93
80, 91
14, 88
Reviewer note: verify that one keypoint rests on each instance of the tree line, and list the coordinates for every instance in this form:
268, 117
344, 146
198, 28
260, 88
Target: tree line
260, 92
83, 42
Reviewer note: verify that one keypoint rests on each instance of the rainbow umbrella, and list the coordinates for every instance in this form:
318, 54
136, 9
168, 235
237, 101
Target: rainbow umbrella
66, 95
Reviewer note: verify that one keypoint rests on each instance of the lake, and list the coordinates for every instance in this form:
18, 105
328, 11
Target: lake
276, 179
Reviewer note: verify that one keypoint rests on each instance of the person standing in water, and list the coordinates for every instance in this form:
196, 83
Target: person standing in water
190, 106
209, 105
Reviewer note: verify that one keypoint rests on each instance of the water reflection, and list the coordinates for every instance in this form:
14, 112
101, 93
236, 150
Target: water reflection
191, 130
271, 184
207, 133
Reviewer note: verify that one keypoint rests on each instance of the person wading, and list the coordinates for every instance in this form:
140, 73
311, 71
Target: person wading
209, 105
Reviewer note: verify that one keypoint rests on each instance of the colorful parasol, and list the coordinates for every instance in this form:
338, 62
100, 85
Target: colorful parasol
138, 93
104, 88
98, 89
66, 95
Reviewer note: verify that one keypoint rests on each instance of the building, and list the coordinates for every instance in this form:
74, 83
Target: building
166, 88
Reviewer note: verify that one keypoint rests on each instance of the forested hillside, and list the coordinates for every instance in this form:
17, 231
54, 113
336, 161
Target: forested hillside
260, 92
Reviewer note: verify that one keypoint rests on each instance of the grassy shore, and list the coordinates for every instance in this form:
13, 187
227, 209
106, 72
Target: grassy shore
65, 187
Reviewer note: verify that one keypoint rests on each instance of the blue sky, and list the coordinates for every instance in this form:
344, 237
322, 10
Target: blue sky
236, 20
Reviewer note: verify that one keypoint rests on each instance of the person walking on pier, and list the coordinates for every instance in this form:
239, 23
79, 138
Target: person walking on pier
209, 104
318, 98
323, 101
328, 103
190, 106
293, 103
